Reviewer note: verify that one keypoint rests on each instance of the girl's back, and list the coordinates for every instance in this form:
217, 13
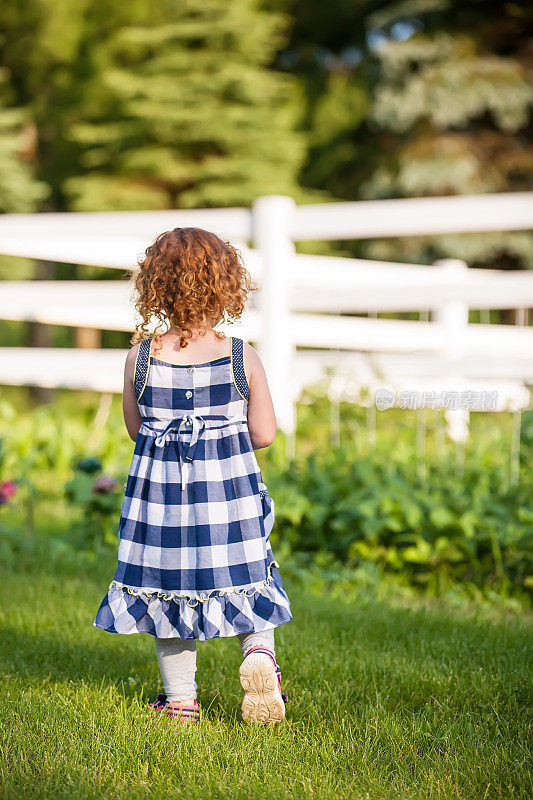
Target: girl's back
194, 557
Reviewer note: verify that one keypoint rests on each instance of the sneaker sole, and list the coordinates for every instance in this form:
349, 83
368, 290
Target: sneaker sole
262, 697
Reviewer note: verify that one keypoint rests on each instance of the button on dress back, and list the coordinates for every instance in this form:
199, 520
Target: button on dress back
194, 557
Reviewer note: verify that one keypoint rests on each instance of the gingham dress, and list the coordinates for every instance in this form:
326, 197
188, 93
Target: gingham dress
194, 557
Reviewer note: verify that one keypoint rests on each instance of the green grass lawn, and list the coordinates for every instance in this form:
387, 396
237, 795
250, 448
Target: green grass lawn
385, 702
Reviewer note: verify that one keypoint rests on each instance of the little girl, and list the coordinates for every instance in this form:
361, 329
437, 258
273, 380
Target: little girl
194, 559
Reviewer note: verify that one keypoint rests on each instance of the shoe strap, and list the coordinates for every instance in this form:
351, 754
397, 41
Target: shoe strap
183, 704
182, 709
259, 649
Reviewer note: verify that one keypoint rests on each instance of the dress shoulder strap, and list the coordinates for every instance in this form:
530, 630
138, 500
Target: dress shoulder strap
237, 368
142, 366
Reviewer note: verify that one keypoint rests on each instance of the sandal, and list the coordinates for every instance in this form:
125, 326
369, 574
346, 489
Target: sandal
260, 678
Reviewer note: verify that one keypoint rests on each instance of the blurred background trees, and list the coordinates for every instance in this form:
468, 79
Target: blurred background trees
195, 103
140, 106
414, 98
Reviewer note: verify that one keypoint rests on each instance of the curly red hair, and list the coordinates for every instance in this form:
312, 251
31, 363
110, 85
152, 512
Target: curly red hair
189, 277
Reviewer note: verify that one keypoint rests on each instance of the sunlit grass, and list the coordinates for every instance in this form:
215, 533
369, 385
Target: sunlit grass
385, 702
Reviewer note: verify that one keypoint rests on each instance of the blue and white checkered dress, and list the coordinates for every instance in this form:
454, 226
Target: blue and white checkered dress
194, 559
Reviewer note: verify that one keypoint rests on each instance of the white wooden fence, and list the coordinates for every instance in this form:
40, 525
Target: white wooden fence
305, 302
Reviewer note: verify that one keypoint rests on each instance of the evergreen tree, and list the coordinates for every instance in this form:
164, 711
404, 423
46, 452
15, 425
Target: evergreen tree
141, 105
47, 56
186, 112
20, 190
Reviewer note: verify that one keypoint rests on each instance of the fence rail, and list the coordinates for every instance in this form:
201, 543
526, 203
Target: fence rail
306, 301
511, 211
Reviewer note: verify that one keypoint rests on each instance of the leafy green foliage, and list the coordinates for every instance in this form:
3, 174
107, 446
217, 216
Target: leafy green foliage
349, 517
451, 528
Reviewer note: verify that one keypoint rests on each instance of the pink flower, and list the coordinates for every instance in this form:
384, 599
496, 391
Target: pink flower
104, 484
8, 489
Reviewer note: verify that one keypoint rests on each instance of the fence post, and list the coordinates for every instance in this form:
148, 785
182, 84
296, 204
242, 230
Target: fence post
271, 220
453, 315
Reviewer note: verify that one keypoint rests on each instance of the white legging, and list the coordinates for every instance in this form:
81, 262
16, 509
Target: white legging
177, 661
